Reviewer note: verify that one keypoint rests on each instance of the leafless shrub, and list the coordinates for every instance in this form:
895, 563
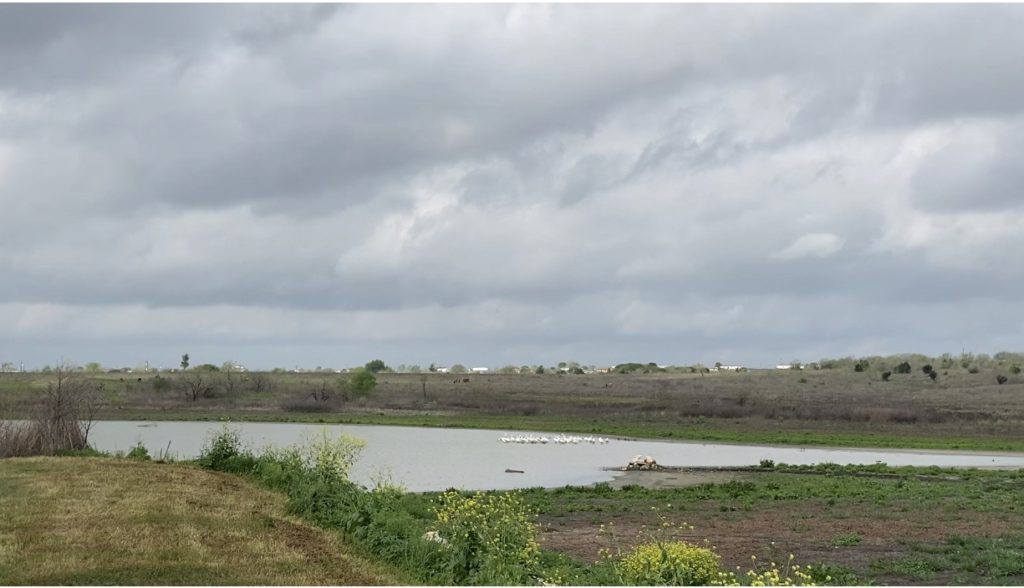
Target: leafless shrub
62, 421
323, 392
197, 384
260, 382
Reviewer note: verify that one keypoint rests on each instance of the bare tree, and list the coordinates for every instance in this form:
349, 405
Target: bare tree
197, 384
323, 393
260, 382
232, 381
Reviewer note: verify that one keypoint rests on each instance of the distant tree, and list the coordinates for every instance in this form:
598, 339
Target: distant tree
1001, 379
885, 376
458, 369
207, 367
861, 365
796, 365
576, 371
231, 380
933, 375
93, 367
1014, 369
415, 369
508, 369
362, 381
927, 368
184, 361
561, 365
260, 382
376, 366
197, 384
539, 370
432, 368
903, 368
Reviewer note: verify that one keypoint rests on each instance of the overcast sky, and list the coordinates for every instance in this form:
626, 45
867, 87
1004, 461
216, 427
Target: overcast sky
320, 185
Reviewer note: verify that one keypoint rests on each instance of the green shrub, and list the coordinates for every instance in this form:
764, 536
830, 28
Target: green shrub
886, 376
331, 458
1001, 379
223, 452
139, 452
490, 538
903, 368
673, 563
972, 370
161, 384
1014, 369
361, 382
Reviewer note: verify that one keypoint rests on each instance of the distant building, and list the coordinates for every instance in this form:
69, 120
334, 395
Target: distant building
784, 367
479, 370
442, 370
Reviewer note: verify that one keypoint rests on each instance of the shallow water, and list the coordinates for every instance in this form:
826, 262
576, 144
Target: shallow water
426, 459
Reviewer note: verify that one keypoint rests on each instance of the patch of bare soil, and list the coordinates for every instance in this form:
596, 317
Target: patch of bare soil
674, 478
810, 531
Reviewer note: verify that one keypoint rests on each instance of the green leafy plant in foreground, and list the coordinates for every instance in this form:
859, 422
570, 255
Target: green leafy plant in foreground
673, 563
490, 538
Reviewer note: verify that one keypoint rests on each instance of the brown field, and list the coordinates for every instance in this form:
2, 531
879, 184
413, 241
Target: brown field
834, 401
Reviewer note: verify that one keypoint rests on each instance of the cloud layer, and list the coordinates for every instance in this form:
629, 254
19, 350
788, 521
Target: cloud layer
316, 185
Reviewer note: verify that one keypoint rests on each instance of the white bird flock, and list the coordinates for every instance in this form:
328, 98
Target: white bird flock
557, 439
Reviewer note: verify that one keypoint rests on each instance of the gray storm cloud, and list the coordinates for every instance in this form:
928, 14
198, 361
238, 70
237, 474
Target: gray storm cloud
314, 185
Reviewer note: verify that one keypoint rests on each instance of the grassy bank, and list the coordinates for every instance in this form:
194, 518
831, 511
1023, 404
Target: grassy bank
715, 430
115, 521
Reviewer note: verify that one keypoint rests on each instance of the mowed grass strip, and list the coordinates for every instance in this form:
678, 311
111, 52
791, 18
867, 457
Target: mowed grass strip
114, 521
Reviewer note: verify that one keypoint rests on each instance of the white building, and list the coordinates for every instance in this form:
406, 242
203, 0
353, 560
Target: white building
479, 370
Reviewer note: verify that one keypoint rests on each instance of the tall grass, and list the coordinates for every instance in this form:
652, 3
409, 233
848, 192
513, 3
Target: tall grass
60, 423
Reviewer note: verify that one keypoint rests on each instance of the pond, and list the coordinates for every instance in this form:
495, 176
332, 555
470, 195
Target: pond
425, 459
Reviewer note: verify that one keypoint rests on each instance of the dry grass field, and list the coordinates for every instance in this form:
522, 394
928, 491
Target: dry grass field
107, 521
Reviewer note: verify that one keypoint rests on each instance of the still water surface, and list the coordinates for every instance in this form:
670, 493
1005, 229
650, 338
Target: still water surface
426, 459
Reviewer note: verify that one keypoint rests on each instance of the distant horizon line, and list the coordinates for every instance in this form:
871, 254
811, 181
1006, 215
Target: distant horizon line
20, 367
